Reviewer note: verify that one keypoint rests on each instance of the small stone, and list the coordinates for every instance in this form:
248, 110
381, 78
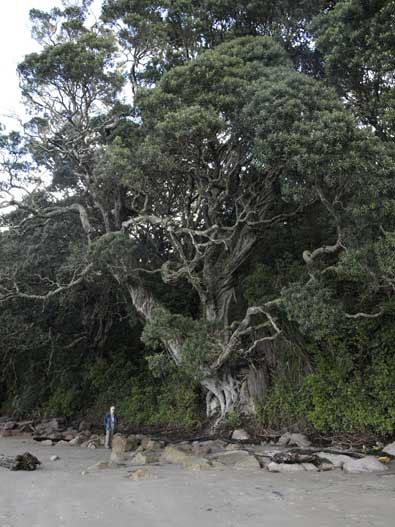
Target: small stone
46, 442
384, 459
240, 435
138, 474
54, 458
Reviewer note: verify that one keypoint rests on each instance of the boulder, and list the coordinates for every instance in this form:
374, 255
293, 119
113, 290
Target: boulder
185, 446
196, 463
337, 460
285, 467
119, 446
84, 426
46, 442
233, 446
133, 442
231, 457
324, 467
76, 441
62, 443
240, 435
310, 467
151, 445
145, 458
50, 426
249, 463
172, 454
366, 464
68, 436
299, 440
8, 425
284, 439
390, 449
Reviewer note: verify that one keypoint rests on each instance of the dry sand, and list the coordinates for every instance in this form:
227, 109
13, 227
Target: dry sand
60, 495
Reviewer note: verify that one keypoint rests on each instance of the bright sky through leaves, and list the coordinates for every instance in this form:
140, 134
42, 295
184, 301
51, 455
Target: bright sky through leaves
15, 42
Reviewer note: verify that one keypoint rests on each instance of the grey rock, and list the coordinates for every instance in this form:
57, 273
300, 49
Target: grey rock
46, 442
152, 445
75, 442
284, 439
133, 442
390, 449
145, 458
310, 467
231, 457
196, 463
84, 425
366, 464
54, 458
8, 425
62, 443
172, 454
233, 446
337, 460
119, 448
299, 440
285, 467
250, 463
240, 435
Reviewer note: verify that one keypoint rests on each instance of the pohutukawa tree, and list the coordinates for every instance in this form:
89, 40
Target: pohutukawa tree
178, 188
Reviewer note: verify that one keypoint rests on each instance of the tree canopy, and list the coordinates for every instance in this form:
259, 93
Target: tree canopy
221, 185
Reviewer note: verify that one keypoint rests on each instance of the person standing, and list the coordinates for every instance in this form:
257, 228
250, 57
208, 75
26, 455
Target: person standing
110, 426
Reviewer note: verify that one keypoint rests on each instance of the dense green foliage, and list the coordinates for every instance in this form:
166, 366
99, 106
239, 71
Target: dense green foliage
220, 221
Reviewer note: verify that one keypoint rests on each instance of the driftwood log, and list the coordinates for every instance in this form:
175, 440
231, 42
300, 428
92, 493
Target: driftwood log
24, 461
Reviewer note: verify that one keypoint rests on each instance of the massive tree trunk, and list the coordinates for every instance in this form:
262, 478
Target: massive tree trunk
223, 389
227, 389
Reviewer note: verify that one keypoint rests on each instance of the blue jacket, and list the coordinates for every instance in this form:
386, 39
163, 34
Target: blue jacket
107, 422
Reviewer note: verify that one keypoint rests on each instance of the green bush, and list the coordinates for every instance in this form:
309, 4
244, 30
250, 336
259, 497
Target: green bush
350, 388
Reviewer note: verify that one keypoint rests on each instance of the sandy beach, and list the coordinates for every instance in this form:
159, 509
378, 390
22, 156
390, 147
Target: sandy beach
65, 493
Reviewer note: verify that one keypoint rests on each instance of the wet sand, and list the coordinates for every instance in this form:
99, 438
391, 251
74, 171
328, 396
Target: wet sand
63, 494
